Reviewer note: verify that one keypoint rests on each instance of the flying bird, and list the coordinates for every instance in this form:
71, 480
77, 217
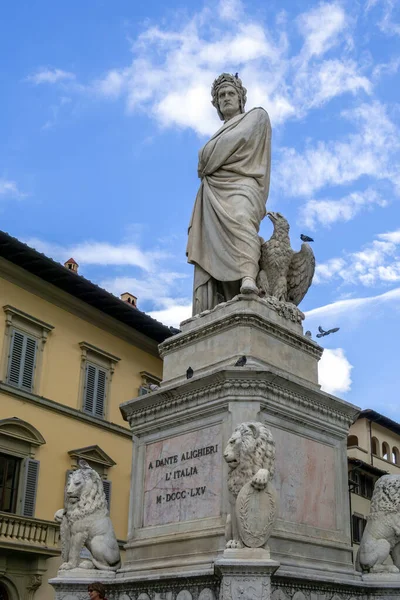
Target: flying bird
306, 238
241, 361
284, 273
189, 373
323, 333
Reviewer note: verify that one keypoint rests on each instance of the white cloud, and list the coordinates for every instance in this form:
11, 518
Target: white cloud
353, 307
368, 152
387, 23
321, 27
97, 253
10, 188
47, 75
377, 262
230, 10
173, 315
160, 292
334, 372
327, 211
172, 68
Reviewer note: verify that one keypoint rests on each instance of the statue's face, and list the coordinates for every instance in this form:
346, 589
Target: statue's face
228, 101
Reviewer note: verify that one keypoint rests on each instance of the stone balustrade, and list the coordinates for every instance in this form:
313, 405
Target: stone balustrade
27, 534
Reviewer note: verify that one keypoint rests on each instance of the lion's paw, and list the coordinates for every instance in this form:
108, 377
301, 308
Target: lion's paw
384, 569
260, 479
66, 566
234, 544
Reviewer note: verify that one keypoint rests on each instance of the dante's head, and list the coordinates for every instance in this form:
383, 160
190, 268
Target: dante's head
228, 96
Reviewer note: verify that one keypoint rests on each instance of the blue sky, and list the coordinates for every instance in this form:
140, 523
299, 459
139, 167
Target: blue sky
105, 105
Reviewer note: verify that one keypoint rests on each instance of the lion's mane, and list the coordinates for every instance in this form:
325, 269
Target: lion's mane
256, 451
92, 498
386, 496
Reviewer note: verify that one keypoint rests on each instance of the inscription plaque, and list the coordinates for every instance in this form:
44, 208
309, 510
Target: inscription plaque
183, 478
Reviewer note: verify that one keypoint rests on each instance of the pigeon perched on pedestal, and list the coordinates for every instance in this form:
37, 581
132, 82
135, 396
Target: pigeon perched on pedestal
189, 373
241, 361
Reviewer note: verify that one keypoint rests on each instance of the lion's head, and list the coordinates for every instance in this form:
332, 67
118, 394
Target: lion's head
251, 447
386, 496
84, 493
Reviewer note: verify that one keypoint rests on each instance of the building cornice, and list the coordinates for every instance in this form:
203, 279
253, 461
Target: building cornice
248, 319
274, 392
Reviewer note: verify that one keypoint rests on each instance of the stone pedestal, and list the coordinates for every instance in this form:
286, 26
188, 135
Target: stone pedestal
179, 496
245, 577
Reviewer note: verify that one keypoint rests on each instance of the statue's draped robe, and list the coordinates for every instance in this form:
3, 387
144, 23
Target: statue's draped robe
223, 241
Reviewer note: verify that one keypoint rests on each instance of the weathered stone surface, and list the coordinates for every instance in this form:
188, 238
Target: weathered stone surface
248, 326
245, 579
304, 481
183, 477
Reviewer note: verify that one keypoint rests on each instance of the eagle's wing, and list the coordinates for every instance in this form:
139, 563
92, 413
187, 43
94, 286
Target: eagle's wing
300, 274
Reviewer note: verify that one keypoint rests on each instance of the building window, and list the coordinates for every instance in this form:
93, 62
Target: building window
363, 483
385, 451
94, 394
395, 456
352, 440
375, 446
22, 360
97, 371
150, 383
23, 349
358, 526
9, 477
19, 471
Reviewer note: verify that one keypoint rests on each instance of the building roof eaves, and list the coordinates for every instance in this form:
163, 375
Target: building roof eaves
376, 417
56, 274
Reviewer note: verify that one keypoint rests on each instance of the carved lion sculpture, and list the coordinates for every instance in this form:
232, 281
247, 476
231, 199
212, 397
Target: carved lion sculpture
85, 523
250, 454
382, 533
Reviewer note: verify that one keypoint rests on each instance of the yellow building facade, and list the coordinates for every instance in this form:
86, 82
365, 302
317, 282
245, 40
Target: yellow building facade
70, 353
373, 448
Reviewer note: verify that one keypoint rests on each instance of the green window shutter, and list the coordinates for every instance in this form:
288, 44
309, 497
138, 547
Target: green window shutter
95, 390
107, 491
30, 483
22, 360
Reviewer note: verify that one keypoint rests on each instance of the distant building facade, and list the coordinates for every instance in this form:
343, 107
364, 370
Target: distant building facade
373, 449
70, 353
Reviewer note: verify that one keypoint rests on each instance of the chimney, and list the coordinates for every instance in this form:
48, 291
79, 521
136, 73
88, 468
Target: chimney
71, 265
129, 299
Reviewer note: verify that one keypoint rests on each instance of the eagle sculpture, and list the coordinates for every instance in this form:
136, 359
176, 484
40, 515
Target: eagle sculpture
284, 274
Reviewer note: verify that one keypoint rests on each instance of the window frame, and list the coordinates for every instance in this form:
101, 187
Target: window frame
20, 440
147, 379
101, 360
31, 327
361, 522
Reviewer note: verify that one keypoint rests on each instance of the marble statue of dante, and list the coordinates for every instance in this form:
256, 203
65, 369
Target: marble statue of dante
234, 167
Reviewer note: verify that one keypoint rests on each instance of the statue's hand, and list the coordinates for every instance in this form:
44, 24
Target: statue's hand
260, 479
